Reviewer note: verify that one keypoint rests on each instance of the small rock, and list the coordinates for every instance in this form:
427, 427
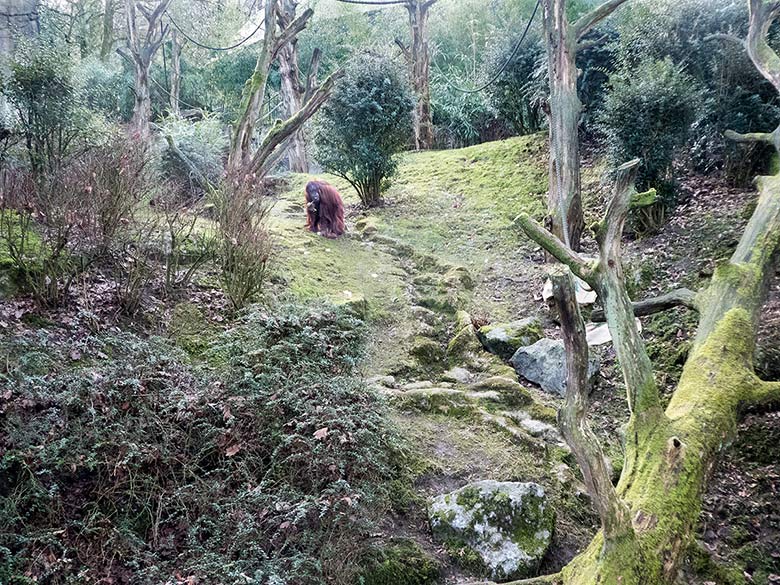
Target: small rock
504, 339
434, 400
508, 525
544, 363
457, 375
366, 225
427, 351
386, 381
418, 385
425, 315
512, 391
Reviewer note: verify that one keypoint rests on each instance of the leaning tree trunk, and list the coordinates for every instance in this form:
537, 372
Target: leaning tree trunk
419, 71
564, 109
292, 91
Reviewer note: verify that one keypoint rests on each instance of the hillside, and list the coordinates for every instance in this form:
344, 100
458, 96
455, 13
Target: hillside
425, 271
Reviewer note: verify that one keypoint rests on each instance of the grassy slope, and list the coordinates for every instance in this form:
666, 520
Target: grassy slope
456, 205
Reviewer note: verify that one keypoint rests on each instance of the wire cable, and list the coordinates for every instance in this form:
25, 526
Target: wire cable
209, 47
498, 74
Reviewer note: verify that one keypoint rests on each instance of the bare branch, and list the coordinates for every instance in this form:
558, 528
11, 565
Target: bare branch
611, 230
555, 247
682, 297
289, 33
588, 21
642, 392
726, 37
281, 131
761, 53
585, 45
766, 393
376, 3
572, 418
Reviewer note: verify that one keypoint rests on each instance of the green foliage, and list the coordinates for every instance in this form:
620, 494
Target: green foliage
401, 563
648, 115
105, 87
50, 112
518, 93
735, 95
203, 143
364, 124
146, 468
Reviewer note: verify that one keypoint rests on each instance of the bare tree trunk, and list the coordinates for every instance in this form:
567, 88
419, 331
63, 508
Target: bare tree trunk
142, 46
176, 49
107, 40
565, 198
292, 90
419, 68
572, 418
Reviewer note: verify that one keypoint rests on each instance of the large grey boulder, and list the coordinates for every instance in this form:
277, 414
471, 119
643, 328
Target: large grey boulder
504, 339
507, 525
544, 363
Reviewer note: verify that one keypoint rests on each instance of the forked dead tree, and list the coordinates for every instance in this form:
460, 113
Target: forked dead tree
563, 39
143, 41
246, 156
670, 451
649, 518
418, 59
295, 91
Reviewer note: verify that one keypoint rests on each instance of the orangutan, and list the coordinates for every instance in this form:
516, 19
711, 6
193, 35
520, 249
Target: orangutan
324, 209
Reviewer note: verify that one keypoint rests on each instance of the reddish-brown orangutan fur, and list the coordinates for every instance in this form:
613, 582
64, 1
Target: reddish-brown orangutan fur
330, 220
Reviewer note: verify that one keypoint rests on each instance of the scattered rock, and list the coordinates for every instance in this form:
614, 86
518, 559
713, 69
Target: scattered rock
424, 315
386, 381
418, 385
459, 276
504, 339
508, 525
512, 392
544, 363
427, 351
465, 344
458, 375
367, 225
434, 400
537, 428
355, 303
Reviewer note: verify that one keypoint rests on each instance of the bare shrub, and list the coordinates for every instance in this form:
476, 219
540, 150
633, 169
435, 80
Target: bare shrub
39, 222
118, 179
244, 241
186, 244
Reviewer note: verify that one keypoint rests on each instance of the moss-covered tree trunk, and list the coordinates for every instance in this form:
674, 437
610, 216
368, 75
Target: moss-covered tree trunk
669, 454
